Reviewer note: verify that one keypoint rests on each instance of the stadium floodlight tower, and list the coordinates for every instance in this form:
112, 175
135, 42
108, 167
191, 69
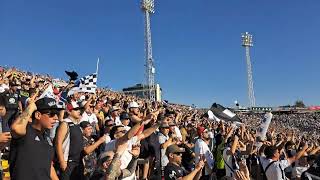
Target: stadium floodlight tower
148, 8
247, 43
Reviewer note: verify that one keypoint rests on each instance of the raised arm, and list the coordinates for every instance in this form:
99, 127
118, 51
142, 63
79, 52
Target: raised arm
18, 128
114, 171
146, 133
131, 133
299, 154
192, 175
89, 149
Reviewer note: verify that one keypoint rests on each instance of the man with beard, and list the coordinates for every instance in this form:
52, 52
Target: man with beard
173, 170
202, 151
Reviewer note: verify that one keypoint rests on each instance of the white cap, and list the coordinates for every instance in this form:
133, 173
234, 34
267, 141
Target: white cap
133, 105
73, 90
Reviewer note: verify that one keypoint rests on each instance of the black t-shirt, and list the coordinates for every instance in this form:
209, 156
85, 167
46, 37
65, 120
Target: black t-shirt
31, 156
187, 159
172, 171
76, 142
11, 100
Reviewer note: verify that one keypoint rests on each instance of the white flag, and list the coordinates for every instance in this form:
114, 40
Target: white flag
48, 93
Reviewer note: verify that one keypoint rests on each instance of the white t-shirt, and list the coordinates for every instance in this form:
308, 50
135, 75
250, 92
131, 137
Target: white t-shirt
117, 121
201, 148
298, 170
276, 170
164, 158
126, 156
3, 87
178, 133
228, 162
92, 118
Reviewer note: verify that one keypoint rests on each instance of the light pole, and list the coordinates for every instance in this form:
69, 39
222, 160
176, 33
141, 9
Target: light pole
247, 43
148, 8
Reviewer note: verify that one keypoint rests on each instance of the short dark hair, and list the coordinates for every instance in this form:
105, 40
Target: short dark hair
113, 131
269, 151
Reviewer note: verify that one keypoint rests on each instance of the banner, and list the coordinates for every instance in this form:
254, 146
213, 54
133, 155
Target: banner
263, 128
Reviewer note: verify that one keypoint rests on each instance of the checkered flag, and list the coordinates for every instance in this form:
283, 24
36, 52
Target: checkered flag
88, 83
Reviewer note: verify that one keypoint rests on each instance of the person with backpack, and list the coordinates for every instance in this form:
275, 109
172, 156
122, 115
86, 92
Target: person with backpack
273, 167
69, 144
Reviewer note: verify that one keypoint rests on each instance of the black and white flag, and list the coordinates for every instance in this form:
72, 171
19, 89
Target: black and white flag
88, 83
89, 80
223, 113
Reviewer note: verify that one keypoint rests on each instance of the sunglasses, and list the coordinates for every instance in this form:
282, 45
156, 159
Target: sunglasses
109, 125
50, 113
178, 153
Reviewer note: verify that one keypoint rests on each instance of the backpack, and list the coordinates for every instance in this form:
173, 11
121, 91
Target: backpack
261, 174
66, 141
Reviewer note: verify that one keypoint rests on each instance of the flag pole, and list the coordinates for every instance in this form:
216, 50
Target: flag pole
97, 65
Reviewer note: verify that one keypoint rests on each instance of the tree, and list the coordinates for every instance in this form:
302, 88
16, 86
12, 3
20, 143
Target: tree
299, 103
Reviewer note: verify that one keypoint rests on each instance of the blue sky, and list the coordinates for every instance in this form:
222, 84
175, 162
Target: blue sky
196, 45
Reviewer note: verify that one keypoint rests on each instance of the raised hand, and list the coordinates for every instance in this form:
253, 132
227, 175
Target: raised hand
200, 165
32, 101
135, 151
102, 139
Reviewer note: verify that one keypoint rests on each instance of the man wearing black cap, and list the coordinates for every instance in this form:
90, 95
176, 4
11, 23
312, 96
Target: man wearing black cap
173, 169
125, 120
31, 147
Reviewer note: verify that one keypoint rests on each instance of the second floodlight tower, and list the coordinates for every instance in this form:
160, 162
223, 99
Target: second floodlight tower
147, 7
247, 43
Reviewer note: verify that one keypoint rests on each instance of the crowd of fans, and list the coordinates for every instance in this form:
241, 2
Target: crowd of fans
109, 135
306, 124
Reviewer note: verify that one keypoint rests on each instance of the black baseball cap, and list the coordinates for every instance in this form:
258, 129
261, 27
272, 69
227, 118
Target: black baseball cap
47, 103
124, 116
174, 149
